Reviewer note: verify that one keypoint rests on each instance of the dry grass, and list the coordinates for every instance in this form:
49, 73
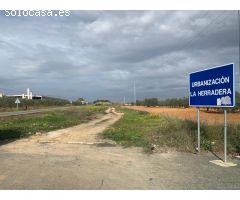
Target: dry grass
139, 128
142, 129
209, 117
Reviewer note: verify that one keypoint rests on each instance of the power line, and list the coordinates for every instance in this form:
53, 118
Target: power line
215, 20
202, 31
222, 19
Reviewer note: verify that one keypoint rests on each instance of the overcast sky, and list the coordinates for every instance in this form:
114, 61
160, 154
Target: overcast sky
99, 54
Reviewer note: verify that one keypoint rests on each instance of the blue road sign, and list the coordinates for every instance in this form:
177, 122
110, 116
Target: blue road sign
214, 87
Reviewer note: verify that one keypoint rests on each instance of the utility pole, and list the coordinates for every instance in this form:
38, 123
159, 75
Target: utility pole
239, 41
134, 93
124, 100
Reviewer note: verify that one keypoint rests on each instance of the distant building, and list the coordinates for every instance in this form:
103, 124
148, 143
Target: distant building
29, 95
80, 101
1, 94
84, 102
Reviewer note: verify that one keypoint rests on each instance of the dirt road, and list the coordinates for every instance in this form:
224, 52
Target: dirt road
82, 134
191, 114
76, 158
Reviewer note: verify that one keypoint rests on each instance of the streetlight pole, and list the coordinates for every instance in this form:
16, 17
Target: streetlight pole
134, 93
239, 40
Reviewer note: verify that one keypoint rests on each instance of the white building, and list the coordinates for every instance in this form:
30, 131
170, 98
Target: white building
29, 95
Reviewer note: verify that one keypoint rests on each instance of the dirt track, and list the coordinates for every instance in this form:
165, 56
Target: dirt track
84, 133
191, 114
93, 163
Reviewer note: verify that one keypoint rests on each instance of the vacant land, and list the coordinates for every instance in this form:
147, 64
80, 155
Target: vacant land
86, 133
79, 159
24, 126
74, 166
209, 117
140, 128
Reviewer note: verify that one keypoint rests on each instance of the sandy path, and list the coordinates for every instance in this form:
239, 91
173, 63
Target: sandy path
86, 133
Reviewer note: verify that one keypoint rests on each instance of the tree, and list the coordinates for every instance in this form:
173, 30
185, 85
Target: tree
151, 102
79, 101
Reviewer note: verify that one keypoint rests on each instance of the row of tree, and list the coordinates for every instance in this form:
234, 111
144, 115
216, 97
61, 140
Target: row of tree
9, 102
175, 102
101, 101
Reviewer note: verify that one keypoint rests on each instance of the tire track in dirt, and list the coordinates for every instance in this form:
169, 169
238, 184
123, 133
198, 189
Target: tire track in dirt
86, 133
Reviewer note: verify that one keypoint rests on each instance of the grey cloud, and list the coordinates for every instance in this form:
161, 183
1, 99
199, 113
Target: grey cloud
98, 54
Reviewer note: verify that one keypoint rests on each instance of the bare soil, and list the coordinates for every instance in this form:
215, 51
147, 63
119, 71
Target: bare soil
86, 133
76, 158
209, 117
83, 133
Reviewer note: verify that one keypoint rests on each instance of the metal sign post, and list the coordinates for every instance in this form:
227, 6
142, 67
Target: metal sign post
17, 102
198, 120
225, 135
213, 87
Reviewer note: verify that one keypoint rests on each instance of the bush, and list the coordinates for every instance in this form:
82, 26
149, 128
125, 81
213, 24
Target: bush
9, 102
178, 102
139, 128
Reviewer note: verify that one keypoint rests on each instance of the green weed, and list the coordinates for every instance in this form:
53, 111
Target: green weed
139, 128
23, 127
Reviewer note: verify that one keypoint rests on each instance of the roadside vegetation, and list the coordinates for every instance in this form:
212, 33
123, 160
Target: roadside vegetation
177, 102
24, 126
142, 129
8, 103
